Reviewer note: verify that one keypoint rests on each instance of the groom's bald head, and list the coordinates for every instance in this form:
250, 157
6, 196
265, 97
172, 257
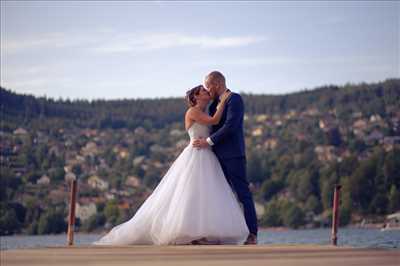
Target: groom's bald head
216, 76
215, 83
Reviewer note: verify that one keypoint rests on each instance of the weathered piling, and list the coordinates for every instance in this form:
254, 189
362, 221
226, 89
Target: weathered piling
71, 216
335, 214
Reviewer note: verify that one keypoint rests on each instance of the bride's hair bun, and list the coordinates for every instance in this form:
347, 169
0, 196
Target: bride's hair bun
190, 99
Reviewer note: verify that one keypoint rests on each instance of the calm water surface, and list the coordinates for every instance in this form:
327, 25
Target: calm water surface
372, 238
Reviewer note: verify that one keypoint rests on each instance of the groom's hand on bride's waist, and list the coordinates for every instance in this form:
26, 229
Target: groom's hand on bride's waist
200, 143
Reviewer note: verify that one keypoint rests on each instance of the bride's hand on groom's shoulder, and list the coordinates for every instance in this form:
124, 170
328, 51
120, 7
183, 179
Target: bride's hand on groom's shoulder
225, 96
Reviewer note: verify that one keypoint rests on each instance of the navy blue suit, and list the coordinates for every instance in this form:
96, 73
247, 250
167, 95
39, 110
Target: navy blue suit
229, 147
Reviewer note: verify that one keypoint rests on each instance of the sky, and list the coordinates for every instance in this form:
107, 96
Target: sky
152, 49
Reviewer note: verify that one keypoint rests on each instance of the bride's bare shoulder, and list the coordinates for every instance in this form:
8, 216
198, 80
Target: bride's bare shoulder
189, 118
191, 111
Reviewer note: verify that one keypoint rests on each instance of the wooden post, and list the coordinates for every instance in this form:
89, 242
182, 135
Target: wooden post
71, 216
335, 214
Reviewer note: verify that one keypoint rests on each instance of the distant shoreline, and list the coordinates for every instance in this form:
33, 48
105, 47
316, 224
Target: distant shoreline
262, 228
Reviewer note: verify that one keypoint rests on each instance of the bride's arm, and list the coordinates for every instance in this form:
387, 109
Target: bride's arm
203, 118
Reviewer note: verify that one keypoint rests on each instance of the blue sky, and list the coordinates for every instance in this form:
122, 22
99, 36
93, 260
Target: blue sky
114, 50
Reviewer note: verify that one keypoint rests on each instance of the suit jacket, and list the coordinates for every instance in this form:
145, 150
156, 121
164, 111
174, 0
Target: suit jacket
228, 135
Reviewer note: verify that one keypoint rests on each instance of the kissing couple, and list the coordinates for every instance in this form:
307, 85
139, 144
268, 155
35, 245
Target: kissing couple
204, 197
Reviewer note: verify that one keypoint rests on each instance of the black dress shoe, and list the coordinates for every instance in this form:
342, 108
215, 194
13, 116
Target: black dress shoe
251, 240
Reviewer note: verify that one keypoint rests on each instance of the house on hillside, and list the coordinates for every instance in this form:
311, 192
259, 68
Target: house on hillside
360, 124
43, 180
176, 132
90, 149
97, 183
69, 176
327, 123
257, 132
375, 118
123, 153
390, 142
311, 112
89, 132
261, 118
357, 115
138, 160
20, 131
133, 181
124, 205
325, 153
375, 136
140, 131
278, 123
291, 114
56, 150
58, 195
360, 127
84, 211
271, 143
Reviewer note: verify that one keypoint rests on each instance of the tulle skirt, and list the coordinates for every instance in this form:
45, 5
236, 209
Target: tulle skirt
193, 200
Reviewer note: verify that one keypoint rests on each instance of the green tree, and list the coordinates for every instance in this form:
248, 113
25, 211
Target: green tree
363, 185
379, 204
8, 184
58, 174
344, 216
391, 167
394, 199
346, 204
271, 216
9, 223
94, 222
357, 145
111, 211
52, 222
293, 216
307, 183
269, 188
255, 171
313, 204
152, 177
327, 189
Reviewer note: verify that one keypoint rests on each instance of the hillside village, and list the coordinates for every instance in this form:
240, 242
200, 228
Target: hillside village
117, 169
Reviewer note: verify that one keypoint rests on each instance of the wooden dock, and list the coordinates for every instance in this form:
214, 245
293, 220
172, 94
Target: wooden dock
282, 255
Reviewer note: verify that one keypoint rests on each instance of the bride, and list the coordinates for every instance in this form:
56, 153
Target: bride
193, 203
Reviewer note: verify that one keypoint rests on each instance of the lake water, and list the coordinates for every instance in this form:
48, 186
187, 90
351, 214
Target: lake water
373, 238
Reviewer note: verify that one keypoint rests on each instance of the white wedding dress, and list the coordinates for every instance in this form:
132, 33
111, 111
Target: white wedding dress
193, 200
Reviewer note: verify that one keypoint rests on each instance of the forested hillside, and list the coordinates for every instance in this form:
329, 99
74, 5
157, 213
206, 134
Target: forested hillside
298, 146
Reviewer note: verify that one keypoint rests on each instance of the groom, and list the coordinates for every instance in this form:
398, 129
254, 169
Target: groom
227, 142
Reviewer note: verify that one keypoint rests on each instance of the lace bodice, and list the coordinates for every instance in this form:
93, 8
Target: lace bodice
198, 131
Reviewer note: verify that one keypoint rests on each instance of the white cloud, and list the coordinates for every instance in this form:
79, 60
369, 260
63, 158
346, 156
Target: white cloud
46, 41
148, 42
109, 41
349, 61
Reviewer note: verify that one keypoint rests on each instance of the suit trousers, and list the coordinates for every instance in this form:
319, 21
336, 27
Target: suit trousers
235, 173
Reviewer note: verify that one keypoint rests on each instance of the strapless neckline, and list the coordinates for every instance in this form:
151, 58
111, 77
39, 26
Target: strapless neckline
197, 130
196, 123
